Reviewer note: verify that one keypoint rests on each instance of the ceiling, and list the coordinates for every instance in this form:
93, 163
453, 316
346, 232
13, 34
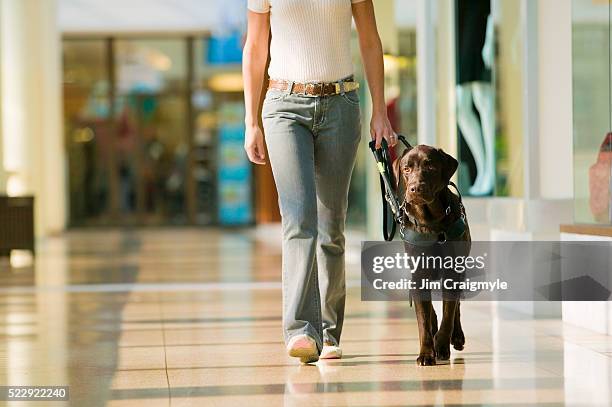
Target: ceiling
168, 15
139, 15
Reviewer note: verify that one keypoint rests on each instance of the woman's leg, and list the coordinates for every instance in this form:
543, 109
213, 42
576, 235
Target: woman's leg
291, 151
337, 135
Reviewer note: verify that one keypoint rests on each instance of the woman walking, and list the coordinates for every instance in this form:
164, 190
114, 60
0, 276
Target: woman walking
311, 119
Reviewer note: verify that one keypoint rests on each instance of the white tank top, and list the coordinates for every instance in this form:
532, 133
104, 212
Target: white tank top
311, 39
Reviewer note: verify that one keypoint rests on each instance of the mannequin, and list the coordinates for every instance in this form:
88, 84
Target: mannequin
474, 88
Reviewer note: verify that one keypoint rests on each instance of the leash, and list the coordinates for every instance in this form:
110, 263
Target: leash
391, 205
393, 211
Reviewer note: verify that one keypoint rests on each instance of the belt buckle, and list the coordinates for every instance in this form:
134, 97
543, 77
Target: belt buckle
309, 89
314, 87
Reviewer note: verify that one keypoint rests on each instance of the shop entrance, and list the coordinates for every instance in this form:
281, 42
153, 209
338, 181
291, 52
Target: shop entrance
150, 126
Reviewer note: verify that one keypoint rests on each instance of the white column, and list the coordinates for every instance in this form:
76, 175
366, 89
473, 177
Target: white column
531, 142
555, 105
426, 72
2, 170
445, 98
33, 151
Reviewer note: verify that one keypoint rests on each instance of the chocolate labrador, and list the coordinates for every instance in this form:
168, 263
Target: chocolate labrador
430, 209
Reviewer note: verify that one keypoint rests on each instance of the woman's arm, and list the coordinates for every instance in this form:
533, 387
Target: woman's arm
372, 55
255, 57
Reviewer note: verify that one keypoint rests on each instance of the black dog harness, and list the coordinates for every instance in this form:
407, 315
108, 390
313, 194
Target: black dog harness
425, 239
396, 214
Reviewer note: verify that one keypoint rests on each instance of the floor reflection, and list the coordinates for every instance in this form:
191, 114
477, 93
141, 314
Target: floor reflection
191, 318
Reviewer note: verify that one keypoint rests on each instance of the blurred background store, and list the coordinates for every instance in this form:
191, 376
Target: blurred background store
149, 131
154, 121
151, 116
123, 120
149, 125
153, 113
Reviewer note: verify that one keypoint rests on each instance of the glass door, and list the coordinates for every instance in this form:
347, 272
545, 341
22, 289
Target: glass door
127, 115
151, 116
607, 145
88, 134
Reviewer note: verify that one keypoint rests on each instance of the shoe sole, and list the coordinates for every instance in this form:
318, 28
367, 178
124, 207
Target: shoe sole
332, 354
305, 349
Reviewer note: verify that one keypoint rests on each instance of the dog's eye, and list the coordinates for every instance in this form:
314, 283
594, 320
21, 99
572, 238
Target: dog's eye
407, 169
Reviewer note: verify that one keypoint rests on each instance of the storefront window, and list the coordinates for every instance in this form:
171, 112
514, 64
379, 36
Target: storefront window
151, 139
135, 109
489, 97
222, 174
404, 108
509, 78
155, 129
480, 79
87, 109
592, 111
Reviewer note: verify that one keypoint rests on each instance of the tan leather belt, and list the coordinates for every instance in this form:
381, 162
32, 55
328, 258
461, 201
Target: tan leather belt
313, 89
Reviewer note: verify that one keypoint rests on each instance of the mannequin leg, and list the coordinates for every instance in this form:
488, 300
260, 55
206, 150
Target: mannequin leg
471, 130
485, 103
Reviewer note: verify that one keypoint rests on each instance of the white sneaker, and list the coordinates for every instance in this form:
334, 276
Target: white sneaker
303, 347
331, 352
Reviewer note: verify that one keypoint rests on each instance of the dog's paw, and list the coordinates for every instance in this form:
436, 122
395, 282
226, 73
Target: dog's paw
442, 346
458, 339
427, 359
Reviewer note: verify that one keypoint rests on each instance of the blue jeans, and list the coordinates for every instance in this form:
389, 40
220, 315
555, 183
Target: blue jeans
312, 145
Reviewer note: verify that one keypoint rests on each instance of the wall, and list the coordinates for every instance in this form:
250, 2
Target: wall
137, 15
406, 13
593, 315
555, 105
164, 15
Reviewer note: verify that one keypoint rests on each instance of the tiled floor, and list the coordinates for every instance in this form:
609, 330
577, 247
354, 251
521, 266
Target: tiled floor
192, 318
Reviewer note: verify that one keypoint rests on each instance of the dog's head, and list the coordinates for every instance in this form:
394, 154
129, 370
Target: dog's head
421, 172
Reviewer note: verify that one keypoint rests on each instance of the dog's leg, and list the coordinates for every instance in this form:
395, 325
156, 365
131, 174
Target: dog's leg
424, 310
457, 337
443, 336
433, 322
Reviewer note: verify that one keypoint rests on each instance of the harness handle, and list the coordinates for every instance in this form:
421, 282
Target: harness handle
392, 210
391, 205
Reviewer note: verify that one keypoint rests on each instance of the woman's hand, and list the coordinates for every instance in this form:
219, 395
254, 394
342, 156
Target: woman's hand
254, 145
380, 127
372, 53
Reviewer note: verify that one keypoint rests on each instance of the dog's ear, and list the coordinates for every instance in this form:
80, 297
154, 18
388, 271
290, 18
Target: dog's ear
449, 166
397, 172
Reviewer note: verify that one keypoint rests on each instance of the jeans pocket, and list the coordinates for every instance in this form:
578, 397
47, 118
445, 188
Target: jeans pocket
274, 95
351, 97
